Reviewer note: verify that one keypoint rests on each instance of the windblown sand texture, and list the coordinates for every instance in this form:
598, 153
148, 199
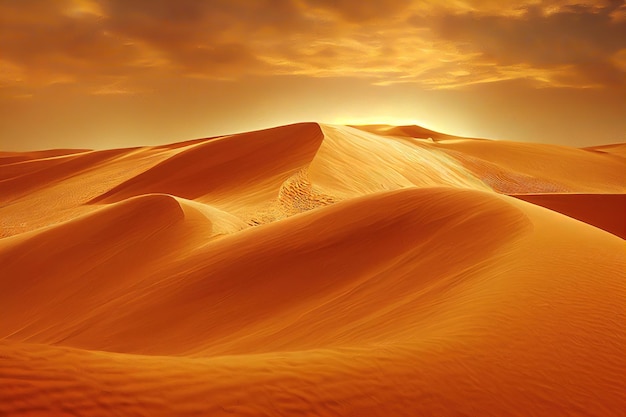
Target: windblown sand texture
314, 270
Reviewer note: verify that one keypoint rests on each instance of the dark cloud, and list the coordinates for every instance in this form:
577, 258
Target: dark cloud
216, 37
47, 39
362, 10
180, 11
209, 37
581, 37
192, 19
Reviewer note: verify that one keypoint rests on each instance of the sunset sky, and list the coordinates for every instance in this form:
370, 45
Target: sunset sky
112, 73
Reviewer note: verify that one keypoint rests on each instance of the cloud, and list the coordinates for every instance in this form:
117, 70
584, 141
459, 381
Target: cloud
52, 42
362, 10
104, 43
577, 42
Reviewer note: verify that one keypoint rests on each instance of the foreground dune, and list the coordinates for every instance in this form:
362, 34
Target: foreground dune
388, 275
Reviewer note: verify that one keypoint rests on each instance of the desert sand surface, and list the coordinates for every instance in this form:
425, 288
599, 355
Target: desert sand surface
618, 149
606, 211
314, 270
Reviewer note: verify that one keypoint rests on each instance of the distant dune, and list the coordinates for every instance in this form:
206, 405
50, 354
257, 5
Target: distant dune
314, 270
606, 211
618, 149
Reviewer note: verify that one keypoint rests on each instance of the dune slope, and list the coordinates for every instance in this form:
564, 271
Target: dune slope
278, 278
512, 167
226, 163
605, 211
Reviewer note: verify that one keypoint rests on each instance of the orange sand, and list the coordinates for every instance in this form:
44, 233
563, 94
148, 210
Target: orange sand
606, 211
314, 270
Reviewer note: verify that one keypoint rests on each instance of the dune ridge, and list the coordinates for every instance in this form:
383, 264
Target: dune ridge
617, 149
222, 160
16, 157
314, 270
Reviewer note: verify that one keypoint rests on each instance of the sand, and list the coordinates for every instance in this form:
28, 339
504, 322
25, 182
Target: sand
605, 211
314, 270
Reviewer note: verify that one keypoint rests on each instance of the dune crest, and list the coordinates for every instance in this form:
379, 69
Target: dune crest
225, 163
314, 270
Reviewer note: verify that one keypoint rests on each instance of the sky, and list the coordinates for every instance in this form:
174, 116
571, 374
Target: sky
115, 73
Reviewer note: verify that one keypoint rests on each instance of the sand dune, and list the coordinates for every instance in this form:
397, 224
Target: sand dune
22, 178
411, 131
15, 157
227, 163
66, 270
61, 191
213, 282
511, 167
314, 270
605, 211
618, 149
351, 162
